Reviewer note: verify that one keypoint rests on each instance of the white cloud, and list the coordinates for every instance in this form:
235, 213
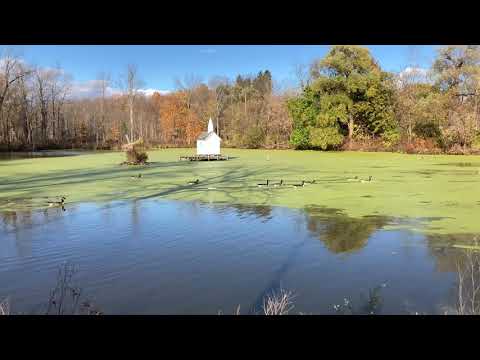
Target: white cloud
415, 71
92, 89
413, 74
150, 92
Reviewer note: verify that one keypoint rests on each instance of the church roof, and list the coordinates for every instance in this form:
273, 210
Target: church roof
205, 135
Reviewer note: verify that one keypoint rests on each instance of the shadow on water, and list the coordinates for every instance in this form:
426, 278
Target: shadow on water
340, 234
274, 286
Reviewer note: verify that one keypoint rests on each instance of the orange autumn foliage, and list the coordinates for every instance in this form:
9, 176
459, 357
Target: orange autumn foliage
180, 125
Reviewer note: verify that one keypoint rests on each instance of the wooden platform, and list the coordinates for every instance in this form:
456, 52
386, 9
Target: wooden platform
203, 157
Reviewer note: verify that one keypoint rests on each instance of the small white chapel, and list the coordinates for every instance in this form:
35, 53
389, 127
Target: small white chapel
208, 143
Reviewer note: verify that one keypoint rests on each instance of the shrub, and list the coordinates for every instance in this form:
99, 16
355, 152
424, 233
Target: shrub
476, 142
326, 137
421, 146
427, 130
300, 138
136, 153
254, 138
391, 138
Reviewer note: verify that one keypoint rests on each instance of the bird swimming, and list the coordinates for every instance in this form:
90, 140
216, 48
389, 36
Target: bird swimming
370, 178
261, 184
195, 182
278, 184
300, 185
61, 202
355, 178
136, 177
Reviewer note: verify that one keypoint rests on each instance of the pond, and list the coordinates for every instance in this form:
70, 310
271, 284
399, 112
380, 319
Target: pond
179, 257
40, 154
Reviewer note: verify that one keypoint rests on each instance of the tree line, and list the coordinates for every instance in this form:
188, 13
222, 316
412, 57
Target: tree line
349, 102
343, 101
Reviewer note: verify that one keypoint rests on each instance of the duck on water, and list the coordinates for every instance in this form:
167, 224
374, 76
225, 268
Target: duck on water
302, 184
263, 184
61, 202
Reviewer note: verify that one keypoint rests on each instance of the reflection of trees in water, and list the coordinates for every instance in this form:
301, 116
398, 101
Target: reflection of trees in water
16, 222
464, 263
339, 232
446, 256
263, 212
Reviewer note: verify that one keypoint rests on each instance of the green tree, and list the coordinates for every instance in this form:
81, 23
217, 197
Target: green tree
348, 92
353, 90
304, 110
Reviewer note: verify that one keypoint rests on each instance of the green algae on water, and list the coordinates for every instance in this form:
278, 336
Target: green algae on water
402, 186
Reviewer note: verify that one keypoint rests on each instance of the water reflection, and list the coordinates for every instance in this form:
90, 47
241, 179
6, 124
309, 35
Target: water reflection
187, 257
37, 154
339, 232
449, 250
263, 212
16, 222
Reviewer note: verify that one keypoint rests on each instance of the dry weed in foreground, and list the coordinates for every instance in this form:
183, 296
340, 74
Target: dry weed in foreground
279, 303
5, 307
468, 301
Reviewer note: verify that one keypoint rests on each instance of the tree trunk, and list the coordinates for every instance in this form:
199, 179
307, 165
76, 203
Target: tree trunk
350, 129
131, 121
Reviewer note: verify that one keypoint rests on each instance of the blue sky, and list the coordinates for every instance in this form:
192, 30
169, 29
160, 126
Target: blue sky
160, 65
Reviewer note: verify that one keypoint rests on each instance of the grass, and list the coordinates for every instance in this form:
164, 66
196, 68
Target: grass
445, 189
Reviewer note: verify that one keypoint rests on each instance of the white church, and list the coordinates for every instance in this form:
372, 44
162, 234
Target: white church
208, 143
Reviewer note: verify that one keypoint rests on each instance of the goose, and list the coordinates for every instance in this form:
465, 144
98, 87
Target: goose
366, 181
61, 202
278, 184
261, 185
195, 182
136, 177
299, 185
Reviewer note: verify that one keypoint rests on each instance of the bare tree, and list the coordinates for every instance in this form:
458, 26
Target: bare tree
219, 86
302, 75
131, 84
104, 80
11, 71
189, 83
41, 79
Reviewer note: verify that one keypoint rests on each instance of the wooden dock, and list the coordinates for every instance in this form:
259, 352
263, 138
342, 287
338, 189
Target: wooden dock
203, 157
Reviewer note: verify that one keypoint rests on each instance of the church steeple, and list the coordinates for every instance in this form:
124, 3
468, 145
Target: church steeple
210, 126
